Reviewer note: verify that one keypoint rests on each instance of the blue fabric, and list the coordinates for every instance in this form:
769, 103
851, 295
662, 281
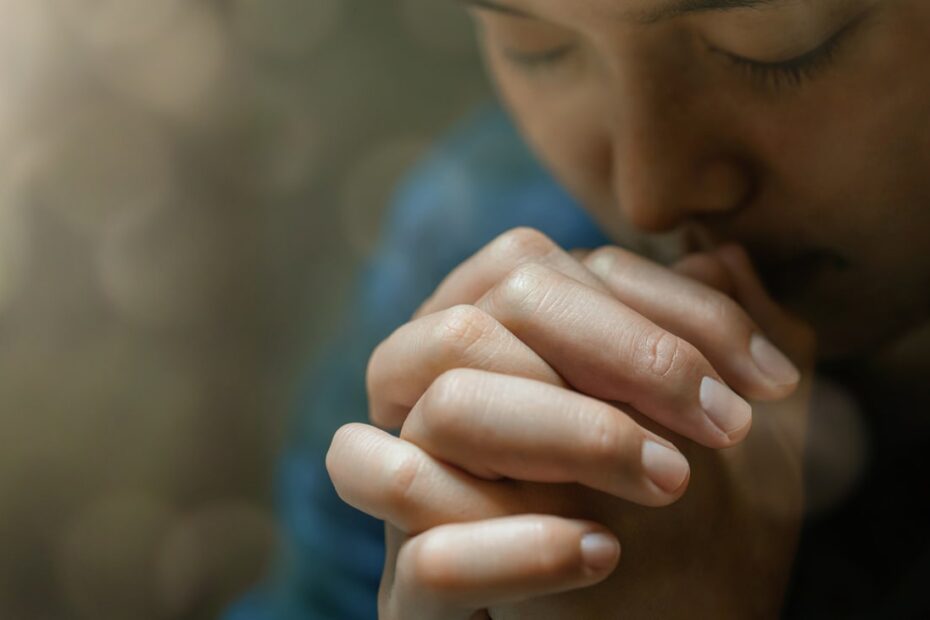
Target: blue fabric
479, 182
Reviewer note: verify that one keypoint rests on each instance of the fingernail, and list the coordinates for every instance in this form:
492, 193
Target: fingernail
666, 468
772, 362
599, 551
723, 406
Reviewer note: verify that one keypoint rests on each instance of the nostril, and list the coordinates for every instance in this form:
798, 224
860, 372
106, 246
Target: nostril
653, 221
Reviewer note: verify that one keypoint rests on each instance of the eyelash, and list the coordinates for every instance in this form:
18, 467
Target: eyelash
775, 75
540, 60
793, 72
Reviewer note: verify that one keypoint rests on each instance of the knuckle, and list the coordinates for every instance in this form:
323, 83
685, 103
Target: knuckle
722, 315
341, 439
429, 565
549, 557
523, 242
661, 353
440, 405
605, 259
604, 438
448, 389
524, 289
401, 474
380, 380
462, 327
373, 367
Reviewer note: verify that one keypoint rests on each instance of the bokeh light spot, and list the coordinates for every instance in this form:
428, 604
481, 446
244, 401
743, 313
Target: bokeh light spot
27, 52
101, 165
285, 27
176, 72
161, 267
107, 558
443, 26
214, 553
116, 26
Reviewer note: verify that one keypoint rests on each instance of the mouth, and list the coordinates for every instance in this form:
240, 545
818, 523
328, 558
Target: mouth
795, 276
787, 273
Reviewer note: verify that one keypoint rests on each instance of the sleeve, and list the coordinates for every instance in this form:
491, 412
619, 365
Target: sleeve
478, 183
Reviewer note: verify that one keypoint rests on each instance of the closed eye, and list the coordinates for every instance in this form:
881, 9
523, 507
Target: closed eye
793, 71
540, 59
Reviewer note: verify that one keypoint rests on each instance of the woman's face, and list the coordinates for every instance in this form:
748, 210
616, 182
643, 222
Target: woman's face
800, 128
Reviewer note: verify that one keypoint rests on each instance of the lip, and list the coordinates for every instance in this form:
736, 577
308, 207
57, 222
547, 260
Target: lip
790, 277
787, 271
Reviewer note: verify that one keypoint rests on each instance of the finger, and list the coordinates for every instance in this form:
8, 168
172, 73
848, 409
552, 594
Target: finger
730, 270
579, 254
703, 315
496, 426
402, 367
396, 481
452, 571
711, 269
783, 427
708, 270
605, 349
791, 333
473, 278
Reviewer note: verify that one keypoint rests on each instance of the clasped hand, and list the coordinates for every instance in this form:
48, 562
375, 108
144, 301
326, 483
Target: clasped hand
535, 384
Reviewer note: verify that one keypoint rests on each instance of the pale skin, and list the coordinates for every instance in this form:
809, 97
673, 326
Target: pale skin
545, 395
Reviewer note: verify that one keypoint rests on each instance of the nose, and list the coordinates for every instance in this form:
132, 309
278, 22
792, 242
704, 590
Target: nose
673, 155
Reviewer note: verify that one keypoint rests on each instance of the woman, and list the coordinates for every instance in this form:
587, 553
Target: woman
757, 173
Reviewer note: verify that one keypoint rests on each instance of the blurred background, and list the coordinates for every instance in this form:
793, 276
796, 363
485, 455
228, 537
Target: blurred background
186, 187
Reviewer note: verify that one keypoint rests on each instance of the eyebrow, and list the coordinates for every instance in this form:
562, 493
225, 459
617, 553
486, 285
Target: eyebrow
675, 8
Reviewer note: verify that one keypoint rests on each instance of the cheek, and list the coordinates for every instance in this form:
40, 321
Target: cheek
847, 165
852, 161
564, 125
886, 154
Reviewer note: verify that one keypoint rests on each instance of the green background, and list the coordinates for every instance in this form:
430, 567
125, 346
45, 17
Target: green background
185, 189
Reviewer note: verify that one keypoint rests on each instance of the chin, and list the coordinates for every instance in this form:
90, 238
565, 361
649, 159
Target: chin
847, 334
835, 344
